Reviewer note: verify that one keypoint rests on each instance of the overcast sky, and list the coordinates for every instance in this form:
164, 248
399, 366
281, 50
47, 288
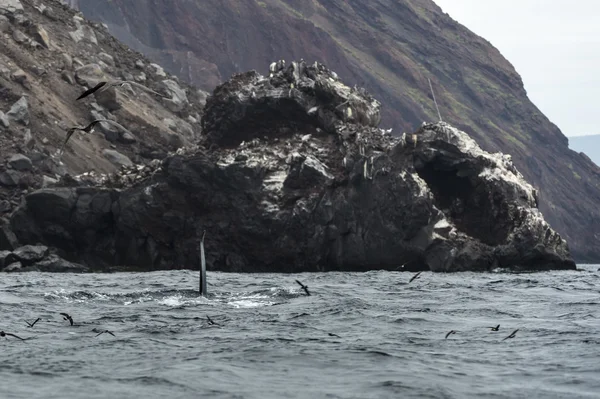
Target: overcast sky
555, 47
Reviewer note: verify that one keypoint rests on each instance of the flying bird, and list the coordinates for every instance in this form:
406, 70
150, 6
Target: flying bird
88, 129
32, 324
67, 317
106, 331
211, 322
497, 328
512, 334
416, 276
304, 287
5, 334
450, 333
334, 335
103, 86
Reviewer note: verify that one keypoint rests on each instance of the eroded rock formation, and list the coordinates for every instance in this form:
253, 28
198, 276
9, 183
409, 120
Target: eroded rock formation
292, 174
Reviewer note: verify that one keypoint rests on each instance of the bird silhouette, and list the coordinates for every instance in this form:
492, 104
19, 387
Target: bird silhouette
512, 335
88, 129
106, 331
416, 276
67, 317
497, 328
304, 287
103, 86
32, 324
211, 322
334, 335
5, 334
450, 333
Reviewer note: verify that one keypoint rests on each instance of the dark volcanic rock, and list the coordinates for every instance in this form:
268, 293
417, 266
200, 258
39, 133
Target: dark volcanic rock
56, 264
8, 239
313, 185
30, 254
392, 48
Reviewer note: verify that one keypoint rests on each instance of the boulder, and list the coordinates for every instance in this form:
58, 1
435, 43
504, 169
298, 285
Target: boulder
19, 112
56, 264
4, 24
107, 59
10, 178
8, 240
20, 37
30, 254
10, 6
20, 76
178, 96
41, 36
67, 77
3, 256
4, 122
20, 162
13, 267
110, 131
116, 158
83, 32
89, 75
156, 70
67, 61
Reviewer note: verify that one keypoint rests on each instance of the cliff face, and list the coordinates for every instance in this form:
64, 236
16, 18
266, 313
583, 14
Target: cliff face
391, 47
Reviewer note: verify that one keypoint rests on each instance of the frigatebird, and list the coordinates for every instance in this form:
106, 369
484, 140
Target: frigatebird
67, 317
304, 287
512, 334
88, 129
32, 324
103, 86
451, 332
5, 334
416, 276
106, 331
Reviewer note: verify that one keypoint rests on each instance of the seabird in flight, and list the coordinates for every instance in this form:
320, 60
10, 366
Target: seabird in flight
211, 322
304, 287
32, 324
106, 331
67, 317
334, 335
88, 129
451, 332
5, 334
512, 335
497, 328
416, 276
103, 86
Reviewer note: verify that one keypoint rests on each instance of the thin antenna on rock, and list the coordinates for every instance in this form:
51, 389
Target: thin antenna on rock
202, 286
434, 101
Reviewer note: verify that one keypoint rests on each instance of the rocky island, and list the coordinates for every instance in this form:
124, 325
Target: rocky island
286, 172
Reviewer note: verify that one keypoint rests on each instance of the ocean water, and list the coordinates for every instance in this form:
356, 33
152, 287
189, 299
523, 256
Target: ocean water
272, 341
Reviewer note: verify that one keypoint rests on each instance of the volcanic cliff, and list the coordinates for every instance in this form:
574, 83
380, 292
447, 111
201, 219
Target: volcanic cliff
390, 47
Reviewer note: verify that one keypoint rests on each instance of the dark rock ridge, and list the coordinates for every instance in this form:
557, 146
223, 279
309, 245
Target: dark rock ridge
300, 178
392, 48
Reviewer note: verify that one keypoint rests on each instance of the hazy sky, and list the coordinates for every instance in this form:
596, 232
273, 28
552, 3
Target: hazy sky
555, 47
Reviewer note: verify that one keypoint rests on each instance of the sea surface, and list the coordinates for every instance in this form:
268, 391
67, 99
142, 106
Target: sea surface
272, 341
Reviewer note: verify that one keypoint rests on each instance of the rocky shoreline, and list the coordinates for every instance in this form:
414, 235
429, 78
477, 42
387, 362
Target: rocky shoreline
291, 173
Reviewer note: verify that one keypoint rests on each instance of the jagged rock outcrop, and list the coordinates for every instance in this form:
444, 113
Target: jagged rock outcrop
392, 48
299, 178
